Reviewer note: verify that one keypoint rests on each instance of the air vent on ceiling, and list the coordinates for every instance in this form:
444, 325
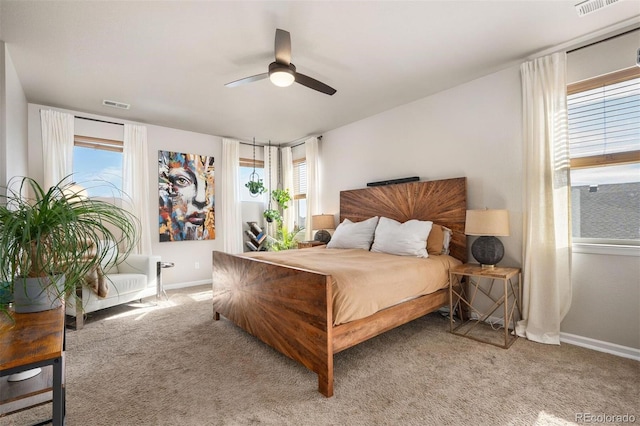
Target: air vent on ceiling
590, 6
115, 104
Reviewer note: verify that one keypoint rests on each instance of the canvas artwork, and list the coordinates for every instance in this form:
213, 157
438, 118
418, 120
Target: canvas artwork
186, 186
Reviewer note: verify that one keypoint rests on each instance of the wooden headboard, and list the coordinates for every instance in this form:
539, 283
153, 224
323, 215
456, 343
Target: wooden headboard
444, 202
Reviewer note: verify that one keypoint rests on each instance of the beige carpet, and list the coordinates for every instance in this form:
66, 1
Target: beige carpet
173, 365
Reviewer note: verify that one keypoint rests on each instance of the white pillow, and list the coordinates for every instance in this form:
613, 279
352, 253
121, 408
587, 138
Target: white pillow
350, 235
402, 239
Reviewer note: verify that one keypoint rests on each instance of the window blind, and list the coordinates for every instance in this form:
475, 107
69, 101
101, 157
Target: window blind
299, 179
248, 162
97, 143
604, 122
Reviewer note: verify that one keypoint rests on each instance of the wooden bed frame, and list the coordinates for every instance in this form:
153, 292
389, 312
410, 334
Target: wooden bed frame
290, 309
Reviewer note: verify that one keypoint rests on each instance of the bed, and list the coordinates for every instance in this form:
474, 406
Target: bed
291, 308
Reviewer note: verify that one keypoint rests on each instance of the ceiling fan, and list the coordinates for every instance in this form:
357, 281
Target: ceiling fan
282, 72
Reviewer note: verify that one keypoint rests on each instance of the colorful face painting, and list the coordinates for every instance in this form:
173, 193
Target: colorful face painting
186, 187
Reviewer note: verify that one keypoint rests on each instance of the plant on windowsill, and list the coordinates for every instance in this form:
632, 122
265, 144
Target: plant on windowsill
51, 240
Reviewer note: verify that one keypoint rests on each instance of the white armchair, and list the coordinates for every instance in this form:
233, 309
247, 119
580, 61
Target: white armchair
135, 278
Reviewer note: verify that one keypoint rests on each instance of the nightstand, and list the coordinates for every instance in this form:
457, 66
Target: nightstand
308, 244
476, 320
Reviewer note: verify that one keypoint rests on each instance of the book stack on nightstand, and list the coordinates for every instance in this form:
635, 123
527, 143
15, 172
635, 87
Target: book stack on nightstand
256, 237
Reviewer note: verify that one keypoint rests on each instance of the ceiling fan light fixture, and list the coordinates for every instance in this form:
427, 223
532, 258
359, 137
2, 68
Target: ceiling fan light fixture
282, 75
282, 78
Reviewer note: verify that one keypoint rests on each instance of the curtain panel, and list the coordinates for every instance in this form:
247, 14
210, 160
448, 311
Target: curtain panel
547, 191
135, 182
57, 145
229, 206
313, 197
289, 217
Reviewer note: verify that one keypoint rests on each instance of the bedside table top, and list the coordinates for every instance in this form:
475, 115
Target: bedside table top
308, 244
477, 270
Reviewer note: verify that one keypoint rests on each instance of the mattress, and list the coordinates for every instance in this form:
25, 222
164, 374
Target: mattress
364, 282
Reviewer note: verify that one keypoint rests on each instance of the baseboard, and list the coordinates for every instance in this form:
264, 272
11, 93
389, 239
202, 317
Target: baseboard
600, 346
186, 284
584, 342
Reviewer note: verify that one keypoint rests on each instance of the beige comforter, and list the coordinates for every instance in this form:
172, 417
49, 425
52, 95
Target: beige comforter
365, 282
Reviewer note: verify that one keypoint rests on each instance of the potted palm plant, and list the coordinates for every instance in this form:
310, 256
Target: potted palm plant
50, 240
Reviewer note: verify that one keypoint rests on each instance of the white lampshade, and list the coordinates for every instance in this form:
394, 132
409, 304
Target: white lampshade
322, 221
493, 223
282, 77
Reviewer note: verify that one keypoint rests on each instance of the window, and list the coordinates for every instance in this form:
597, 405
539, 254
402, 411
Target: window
246, 169
604, 143
97, 165
300, 191
299, 186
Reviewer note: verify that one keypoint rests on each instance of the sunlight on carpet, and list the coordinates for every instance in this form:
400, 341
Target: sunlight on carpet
142, 309
546, 419
201, 296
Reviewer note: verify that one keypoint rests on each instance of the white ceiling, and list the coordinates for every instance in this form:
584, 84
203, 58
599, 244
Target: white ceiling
170, 60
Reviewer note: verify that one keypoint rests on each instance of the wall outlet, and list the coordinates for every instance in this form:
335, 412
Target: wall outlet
197, 265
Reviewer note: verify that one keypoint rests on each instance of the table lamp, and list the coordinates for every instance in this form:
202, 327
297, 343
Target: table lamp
487, 224
322, 223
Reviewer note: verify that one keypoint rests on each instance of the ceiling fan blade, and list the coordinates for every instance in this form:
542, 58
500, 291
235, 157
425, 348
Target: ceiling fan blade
314, 84
248, 79
283, 47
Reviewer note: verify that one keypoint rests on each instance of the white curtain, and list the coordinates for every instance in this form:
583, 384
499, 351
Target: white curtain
547, 241
313, 181
57, 146
135, 182
270, 182
229, 207
289, 218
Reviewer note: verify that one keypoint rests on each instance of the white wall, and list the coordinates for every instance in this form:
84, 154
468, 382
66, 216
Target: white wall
13, 120
605, 305
472, 130
3, 117
184, 254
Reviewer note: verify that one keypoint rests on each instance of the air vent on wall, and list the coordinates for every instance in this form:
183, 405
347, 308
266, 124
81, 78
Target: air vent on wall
590, 6
115, 104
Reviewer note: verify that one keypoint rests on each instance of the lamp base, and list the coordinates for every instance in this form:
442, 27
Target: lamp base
488, 251
323, 236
